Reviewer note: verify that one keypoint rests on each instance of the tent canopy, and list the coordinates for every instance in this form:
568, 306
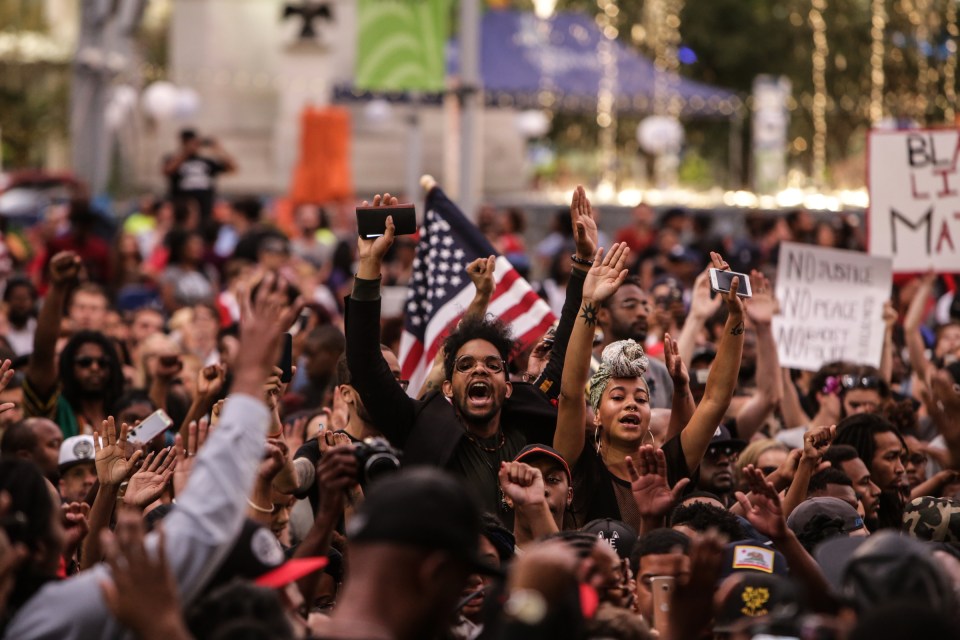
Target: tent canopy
526, 62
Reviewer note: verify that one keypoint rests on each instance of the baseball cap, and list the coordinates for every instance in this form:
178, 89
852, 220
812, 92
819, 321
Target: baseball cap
543, 451
889, 566
832, 508
74, 450
425, 508
747, 555
934, 519
257, 555
617, 534
722, 436
755, 596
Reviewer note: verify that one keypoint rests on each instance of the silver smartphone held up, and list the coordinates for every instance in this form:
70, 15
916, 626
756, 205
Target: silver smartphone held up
720, 281
155, 424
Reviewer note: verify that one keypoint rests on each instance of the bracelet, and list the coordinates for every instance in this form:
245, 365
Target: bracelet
578, 260
260, 509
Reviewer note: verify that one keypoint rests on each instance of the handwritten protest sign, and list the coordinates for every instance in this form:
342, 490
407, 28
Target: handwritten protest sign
831, 306
915, 199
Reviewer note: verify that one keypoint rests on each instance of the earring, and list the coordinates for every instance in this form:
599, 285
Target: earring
596, 439
653, 441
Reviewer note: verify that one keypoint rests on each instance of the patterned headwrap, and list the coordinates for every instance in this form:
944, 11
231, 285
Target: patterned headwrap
929, 518
622, 359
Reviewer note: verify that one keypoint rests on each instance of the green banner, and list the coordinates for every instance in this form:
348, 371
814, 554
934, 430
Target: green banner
401, 44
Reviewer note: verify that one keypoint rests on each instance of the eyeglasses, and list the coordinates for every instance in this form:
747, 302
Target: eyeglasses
493, 364
726, 450
861, 382
85, 362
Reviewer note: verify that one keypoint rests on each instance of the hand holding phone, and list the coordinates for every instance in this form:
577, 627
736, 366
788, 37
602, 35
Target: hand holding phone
372, 221
155, 424
720, 281
662, 588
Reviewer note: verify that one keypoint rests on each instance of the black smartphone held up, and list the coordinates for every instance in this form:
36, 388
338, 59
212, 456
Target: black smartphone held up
286, 359
372, 221
720, 281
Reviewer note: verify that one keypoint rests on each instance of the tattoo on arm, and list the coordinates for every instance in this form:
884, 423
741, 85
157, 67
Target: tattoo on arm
737, 330
589, 314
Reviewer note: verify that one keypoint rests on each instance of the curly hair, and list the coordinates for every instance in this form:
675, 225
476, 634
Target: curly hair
473, 328
71, 387
702, 517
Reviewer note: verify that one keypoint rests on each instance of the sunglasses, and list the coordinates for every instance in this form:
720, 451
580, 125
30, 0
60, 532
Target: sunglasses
723, 450
85, 362
493, 364
862, 382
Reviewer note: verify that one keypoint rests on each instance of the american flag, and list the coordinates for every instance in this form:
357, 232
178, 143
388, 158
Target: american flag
441, 290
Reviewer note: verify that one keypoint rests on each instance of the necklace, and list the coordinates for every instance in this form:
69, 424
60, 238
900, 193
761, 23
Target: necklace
473, 439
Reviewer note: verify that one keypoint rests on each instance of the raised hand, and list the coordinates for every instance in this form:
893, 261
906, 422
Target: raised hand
763, 508
816, 441
140, 591
890, 315
274, 457
703, 304
210, 380
585, 233
76, 525
648, 482
480, 272
675, 366
197, 434
263, 320
522, 483
112, 463
763, 305
337, 473
734, 303
65, 269
607, 274
6, 375
295, 434
272, 388
147, 485
371, 250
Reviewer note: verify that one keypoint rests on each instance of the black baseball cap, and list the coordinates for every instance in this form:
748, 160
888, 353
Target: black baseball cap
543, 451
756, 596
722, 436
257, 556
425, 508
617, 534
833, 508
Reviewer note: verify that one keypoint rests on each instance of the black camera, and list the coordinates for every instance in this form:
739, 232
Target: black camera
376, 458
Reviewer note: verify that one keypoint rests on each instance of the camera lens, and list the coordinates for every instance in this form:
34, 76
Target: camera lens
380, 464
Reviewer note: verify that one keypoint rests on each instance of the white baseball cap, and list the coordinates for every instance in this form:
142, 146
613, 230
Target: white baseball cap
76, 449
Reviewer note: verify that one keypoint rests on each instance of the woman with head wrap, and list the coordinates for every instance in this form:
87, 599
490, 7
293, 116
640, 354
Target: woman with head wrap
619, 397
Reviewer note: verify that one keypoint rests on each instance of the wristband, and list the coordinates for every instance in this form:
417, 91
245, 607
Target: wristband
578, 260
260, 509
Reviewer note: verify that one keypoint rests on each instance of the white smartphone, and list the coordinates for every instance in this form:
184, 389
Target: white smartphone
720, 281
155, 424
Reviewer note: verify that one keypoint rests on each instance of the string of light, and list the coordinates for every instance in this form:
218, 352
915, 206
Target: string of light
878, 25
606, 94
950, 64
819, 106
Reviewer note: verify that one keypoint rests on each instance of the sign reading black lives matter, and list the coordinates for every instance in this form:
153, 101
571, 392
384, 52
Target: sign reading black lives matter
915, 199
831, 306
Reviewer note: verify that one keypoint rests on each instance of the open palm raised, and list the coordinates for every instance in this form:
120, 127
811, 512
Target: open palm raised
113, 465
606, 275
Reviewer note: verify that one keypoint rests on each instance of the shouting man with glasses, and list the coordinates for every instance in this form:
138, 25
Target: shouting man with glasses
478, 418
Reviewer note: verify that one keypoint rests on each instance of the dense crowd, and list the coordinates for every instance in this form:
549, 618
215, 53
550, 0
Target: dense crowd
647, 469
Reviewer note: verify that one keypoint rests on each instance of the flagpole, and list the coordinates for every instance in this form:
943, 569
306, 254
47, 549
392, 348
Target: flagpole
471, 115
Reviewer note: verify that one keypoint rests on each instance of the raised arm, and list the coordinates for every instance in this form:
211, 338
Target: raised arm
603, 279
390, 407
886, 358
41, 373
722, 380
702, 306
524, 486
911, 327
790, 407
761, 309
683, 406
585, 235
